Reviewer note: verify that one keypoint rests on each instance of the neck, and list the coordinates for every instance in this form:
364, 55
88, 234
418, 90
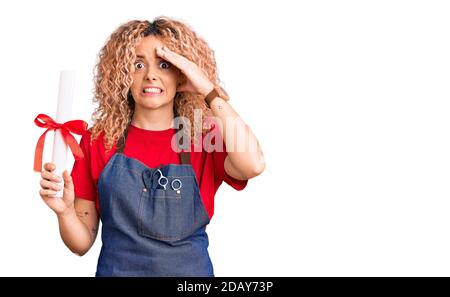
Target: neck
153, 119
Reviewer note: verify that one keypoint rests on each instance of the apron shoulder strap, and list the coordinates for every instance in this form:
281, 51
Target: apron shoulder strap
121, 141
185, 157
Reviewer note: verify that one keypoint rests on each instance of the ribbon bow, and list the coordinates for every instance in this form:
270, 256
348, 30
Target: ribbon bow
76, 126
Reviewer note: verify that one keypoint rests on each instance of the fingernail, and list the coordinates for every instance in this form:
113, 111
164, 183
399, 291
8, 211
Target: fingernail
59, 188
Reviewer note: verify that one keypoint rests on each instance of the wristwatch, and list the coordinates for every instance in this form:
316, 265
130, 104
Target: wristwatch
216, 92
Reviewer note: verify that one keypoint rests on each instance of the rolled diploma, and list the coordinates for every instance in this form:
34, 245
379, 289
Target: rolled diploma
63, 114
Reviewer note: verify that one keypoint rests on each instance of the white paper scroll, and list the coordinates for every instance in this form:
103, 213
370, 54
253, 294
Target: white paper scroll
63, 114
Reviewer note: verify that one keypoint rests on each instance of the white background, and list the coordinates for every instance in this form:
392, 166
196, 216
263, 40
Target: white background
349, 99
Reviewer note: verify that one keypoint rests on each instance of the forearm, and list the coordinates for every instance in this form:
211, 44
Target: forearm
242, 146
75, 233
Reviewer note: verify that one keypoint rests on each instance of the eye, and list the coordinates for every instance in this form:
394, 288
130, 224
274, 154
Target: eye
139, 65
164, 64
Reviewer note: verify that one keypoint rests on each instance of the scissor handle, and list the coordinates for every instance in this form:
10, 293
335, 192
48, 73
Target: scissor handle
162, 180
180, 184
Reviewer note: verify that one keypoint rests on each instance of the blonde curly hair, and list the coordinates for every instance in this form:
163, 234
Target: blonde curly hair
113, 75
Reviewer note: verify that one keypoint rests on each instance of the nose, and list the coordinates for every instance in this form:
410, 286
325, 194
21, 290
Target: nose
152, 73
150, 76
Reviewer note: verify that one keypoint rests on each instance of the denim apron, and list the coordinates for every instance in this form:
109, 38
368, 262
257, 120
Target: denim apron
148, 230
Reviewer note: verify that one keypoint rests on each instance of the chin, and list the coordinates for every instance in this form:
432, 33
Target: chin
153, 103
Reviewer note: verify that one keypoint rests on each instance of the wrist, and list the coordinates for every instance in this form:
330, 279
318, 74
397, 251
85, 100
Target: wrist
217, 104
216, 92
207, 90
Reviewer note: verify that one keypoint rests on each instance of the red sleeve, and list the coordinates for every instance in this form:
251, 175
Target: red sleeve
83, 182
222, 175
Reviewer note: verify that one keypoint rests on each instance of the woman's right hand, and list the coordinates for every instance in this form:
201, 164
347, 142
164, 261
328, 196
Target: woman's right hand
49, 187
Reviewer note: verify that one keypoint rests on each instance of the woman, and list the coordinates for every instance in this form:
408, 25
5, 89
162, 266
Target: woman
152, 182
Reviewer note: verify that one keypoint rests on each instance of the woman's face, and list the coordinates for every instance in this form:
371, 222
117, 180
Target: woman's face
154, 79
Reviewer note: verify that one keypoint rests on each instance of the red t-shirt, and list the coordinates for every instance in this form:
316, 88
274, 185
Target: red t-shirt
152, 148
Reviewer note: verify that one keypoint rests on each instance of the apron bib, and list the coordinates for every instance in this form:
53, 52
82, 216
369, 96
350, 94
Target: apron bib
148, 230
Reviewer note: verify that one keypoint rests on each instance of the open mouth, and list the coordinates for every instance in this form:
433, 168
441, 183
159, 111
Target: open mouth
152, 91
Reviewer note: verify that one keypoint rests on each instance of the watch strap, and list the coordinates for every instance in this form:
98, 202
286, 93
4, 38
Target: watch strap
211, 96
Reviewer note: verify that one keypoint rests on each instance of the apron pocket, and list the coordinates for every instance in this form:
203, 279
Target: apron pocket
166, 215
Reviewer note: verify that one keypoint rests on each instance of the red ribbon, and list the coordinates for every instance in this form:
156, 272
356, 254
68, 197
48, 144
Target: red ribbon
76, 126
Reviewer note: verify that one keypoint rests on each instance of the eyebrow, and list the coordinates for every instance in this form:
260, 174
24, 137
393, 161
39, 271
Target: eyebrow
145, 58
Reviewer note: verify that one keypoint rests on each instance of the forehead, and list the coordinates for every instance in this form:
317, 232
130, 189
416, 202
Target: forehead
146, 46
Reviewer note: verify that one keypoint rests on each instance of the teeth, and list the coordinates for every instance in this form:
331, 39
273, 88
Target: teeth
152, 90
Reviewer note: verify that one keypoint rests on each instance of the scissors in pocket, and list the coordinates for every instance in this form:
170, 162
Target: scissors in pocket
163, 181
